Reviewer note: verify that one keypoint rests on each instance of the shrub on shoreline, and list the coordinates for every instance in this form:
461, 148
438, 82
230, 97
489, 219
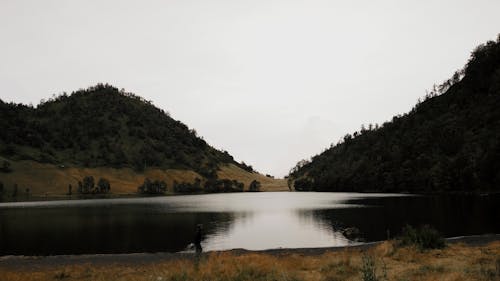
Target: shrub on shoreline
424, 237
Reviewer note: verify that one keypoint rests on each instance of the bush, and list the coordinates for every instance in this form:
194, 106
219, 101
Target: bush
88, 186
14, 190
186, 187
254, 186
5, 167
303, 184
103, 186
224, 185
152, 187
423, 237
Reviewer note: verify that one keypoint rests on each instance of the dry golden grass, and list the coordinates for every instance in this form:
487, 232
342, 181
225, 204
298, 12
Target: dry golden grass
268, 184
52, 181
455, 263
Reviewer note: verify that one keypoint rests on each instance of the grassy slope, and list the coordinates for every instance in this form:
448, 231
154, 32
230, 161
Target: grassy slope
51, 180
457, 262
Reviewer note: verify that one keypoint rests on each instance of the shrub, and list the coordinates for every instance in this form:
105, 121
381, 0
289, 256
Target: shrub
88, 186
152, 187
303, 184
423, 237
254, 186
103, 186
14, 190
224, 185
5, 167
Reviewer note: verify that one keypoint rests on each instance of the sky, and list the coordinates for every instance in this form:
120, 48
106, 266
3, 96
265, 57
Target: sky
272, 82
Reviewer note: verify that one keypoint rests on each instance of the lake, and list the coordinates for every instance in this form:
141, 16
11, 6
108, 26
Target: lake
252, 221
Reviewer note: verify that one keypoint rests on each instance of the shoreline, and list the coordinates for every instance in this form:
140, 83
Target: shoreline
21, 261
169, 194
474, 257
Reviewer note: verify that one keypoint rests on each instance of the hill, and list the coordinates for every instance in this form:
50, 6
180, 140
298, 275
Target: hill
448, 142
102, 131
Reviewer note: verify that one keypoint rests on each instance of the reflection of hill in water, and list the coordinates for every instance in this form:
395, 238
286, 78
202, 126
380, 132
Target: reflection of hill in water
252, 221
94, 230
452, 215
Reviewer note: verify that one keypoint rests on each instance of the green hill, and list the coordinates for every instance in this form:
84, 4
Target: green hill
104, 132
448, 142
102, 126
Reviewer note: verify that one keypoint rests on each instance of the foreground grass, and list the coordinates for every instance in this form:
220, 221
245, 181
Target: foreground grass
385, 261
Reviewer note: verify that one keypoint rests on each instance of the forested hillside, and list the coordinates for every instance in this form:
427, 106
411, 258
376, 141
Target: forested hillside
448, 142
104, 127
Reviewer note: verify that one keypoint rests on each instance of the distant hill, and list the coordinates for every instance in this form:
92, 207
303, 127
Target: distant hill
448, 142
105, 131
103, 126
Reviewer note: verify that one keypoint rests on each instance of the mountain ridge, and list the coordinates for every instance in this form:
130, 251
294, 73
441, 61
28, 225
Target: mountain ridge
448, 142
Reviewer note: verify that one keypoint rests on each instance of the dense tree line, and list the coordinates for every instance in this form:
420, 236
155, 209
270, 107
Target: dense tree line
104, 126
448, 142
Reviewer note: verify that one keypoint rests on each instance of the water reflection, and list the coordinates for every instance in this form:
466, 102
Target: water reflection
246, 220
281, 229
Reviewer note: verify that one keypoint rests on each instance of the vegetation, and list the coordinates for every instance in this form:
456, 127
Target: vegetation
88, 186
254, 186
14, 191
5, 168
381, 262
210, 186
369, 270
224, 185
423, 237
152, 187
187, 187
104, 127
448, 142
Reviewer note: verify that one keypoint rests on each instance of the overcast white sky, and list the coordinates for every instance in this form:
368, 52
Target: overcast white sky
272, 82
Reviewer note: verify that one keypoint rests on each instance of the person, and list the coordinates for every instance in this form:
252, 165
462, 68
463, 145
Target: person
198, 237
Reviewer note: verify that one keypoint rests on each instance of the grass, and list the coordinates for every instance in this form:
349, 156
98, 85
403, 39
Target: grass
386, 261
51, 181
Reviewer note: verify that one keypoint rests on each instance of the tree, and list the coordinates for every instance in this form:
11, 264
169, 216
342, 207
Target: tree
14, 191
449, 141
303, 184
87, 185
254, 186
103, 186
104, 126
5, 167
153, 187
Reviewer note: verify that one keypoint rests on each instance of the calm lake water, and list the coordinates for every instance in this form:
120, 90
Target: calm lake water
239, 220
